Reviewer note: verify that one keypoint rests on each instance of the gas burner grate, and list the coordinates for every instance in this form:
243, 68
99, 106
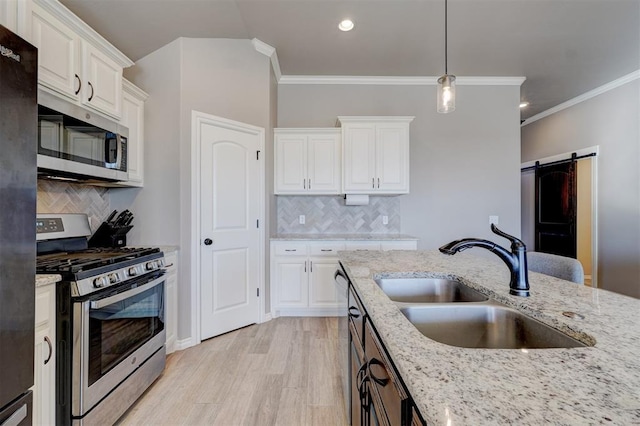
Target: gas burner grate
89, 259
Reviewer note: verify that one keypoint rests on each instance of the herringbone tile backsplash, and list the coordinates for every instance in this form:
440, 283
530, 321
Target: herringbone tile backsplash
329, 215
64, 197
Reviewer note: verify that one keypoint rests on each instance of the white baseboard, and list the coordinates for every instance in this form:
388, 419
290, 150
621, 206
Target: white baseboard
184, 344
310, 312
267, 317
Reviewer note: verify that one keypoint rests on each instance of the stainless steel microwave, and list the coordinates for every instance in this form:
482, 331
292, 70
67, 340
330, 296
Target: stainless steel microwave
77, 144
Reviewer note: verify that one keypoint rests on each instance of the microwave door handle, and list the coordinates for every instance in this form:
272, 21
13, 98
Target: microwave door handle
99, 304
118, 151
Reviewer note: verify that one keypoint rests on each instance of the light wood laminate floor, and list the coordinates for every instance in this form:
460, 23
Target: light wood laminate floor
283, 372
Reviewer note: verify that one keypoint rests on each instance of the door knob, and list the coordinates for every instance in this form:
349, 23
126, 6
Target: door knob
208, 241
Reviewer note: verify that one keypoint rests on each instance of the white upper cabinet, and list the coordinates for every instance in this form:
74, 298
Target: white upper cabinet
376, 155
103, 79
307, 161
74, 61
133, 119
58, 53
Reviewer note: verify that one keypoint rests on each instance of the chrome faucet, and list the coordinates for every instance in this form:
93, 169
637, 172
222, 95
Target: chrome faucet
516, 260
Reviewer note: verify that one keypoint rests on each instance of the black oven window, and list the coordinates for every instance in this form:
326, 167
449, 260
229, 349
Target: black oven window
118, 329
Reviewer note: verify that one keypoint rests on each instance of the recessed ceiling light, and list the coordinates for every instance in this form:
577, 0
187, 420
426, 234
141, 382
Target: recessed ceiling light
346, 25
524, 104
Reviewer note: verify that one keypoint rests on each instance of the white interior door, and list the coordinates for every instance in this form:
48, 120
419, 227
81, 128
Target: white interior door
229, 235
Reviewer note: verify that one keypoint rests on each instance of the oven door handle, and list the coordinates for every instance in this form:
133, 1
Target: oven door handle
99, 304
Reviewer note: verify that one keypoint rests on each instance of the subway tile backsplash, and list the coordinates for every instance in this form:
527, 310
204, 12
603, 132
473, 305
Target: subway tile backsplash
328, 214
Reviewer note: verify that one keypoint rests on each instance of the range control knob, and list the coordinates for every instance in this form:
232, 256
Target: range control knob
113, 278
100, 282
133, 272
151, 266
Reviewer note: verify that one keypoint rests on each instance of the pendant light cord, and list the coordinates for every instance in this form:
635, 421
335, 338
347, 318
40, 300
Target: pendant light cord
446, 71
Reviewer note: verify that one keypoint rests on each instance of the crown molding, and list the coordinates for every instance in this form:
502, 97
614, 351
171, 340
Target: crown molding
398, 81
270, 52
584, 97
134, 90
85, 32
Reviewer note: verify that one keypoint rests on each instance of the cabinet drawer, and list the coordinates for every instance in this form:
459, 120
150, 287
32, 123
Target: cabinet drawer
291, 249
45, 304
384, 383
328, 249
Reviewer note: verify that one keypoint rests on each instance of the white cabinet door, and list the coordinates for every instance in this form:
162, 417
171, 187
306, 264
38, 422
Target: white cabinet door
291, 163
392, 157
133, 119
322, 287
323, 163
103, 80
44, 387
359, 157
57, 53
291, 282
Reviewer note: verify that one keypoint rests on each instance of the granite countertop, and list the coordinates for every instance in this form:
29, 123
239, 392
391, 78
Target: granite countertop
459, 386
344, 237
42, 279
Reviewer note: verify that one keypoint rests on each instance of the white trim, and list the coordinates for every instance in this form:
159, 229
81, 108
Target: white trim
584, 97
311, 312
269, 51
134, 90
197, 119
594, 198
85, 32
398, 81
267, 317
183, 344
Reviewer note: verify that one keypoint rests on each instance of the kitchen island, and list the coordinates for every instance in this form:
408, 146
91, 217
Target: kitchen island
599, 383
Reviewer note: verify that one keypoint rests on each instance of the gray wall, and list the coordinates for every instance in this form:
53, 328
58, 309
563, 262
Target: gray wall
610, 120
226, 78
465, 166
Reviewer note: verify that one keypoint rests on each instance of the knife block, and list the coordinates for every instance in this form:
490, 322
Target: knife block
108, 235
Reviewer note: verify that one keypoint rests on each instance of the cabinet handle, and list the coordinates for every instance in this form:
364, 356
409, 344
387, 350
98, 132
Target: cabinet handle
304, 184
381, 382
79, 84
290, 249
378, 183
305, 266
354, 315
309, 183
373, 183
326, 249
311, 265
46, 339
90, 97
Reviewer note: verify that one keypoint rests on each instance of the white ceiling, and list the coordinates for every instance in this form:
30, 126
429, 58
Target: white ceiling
563, 47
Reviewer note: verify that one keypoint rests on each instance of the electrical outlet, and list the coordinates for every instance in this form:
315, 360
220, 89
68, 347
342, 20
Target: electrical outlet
385, 220
494, 220
301, 219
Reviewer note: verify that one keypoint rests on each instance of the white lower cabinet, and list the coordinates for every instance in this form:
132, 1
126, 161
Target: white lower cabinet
302, 274
44, 387
171, 300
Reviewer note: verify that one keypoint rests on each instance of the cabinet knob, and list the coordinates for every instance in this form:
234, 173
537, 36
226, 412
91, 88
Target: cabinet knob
208, 241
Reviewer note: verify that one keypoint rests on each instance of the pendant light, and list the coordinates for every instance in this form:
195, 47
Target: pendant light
446, 83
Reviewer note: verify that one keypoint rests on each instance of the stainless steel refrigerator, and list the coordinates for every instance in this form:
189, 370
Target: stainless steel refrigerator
18, 144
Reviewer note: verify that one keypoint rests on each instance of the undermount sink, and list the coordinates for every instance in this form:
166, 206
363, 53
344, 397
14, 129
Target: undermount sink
428, 290
489, 326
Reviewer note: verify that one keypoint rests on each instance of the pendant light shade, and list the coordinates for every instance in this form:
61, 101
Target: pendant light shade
446, 94
446, 83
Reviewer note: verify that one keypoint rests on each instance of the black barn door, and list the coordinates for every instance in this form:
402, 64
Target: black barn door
556, 209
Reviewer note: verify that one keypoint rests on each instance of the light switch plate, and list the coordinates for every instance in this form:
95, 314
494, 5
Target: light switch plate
385, 220
301, 219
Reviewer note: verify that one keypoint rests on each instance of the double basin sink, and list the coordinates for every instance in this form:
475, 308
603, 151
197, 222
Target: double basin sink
452, 313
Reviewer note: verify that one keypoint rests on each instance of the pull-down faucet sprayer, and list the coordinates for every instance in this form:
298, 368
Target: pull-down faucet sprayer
516, 260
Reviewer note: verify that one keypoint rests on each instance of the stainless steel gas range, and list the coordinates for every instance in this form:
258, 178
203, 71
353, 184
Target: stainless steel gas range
109, 320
